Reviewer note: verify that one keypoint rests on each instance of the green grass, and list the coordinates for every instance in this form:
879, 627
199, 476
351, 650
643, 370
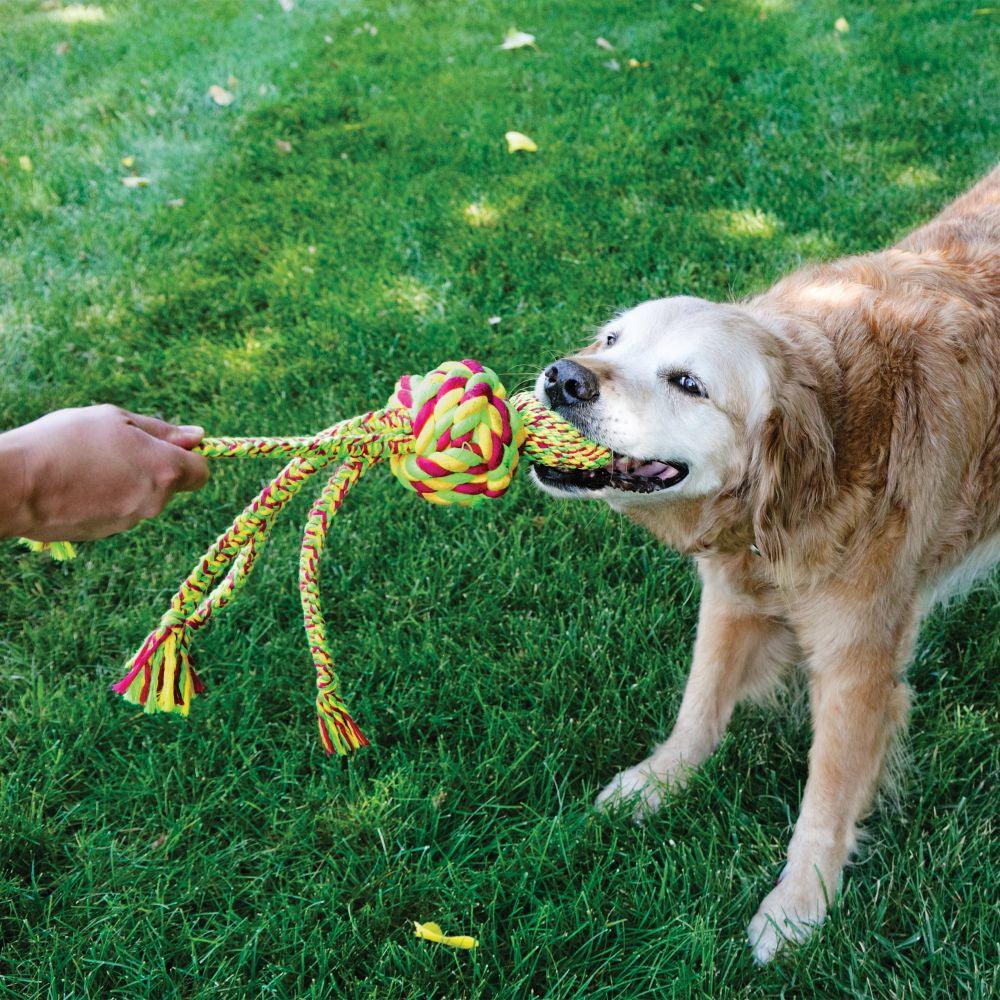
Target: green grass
506, 660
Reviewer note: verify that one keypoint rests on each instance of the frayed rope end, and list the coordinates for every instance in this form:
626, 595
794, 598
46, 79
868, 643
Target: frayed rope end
60, 551
338, 732
161, 677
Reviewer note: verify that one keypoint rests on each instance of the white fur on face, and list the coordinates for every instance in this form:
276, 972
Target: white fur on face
641, 415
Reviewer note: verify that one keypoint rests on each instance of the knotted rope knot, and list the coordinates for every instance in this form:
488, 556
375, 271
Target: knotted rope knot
467, 437
452, 436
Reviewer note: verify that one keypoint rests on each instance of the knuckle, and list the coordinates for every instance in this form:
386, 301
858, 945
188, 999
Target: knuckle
203, 473
151, 506
166, 479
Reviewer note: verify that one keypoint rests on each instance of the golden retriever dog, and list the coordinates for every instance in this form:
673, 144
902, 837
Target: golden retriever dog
829, 454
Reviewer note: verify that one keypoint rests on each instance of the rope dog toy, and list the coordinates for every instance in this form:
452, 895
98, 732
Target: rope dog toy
451, 436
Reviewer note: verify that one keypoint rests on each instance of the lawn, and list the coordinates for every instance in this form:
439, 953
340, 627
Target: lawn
351, 215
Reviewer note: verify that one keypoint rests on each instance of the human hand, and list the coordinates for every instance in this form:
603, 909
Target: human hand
89, 472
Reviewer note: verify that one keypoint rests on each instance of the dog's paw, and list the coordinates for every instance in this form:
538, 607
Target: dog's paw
790, 912
639, 789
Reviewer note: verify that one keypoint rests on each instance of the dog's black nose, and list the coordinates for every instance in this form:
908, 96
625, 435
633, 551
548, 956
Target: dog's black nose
567, 384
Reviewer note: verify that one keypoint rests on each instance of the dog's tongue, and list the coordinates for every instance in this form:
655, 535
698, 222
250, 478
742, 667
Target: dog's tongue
647, 470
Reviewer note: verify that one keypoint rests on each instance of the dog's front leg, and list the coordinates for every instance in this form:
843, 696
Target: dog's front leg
858, 702
738, 652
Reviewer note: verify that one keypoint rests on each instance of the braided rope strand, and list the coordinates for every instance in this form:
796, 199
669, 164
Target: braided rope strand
338, 732
552, 441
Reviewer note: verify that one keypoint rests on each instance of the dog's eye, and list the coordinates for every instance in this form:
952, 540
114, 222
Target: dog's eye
610, 339
687, 383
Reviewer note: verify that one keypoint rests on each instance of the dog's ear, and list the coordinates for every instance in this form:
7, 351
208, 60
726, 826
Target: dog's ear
791, 472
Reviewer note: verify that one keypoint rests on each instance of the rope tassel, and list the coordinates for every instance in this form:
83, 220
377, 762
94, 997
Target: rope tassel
161, 676
451, 437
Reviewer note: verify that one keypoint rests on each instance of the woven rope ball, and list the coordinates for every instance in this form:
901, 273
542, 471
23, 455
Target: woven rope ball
467, 436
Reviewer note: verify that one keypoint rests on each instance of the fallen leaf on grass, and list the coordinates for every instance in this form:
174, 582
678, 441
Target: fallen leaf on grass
518, 142
128, 162
133, 181
613, 64
841, 26
431, 932
494, 321
515, 39
175, 203
635, 64
284, 146
603, 43
221, 96
62, 48
24, 162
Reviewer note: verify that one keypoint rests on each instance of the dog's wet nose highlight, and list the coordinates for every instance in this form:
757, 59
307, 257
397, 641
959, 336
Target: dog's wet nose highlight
569, 384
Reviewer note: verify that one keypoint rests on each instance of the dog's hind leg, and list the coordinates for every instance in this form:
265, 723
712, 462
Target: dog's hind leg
739, 652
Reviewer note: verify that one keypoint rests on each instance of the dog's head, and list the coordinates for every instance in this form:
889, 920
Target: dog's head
696, 400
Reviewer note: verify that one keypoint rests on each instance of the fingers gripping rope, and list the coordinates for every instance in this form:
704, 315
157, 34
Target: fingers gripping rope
451, 436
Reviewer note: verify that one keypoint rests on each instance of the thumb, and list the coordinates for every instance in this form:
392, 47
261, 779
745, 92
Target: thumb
187, 435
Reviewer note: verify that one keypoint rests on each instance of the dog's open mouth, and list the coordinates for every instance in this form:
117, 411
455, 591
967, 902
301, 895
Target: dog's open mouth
629, 475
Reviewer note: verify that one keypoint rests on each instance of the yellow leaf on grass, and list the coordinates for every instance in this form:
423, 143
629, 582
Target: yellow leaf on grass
431, 932
128, 162
24, 162
518, 142
841, 26
221, 96
635, 64
515, 39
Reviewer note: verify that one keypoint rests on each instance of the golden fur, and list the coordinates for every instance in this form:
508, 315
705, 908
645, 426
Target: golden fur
860, 474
